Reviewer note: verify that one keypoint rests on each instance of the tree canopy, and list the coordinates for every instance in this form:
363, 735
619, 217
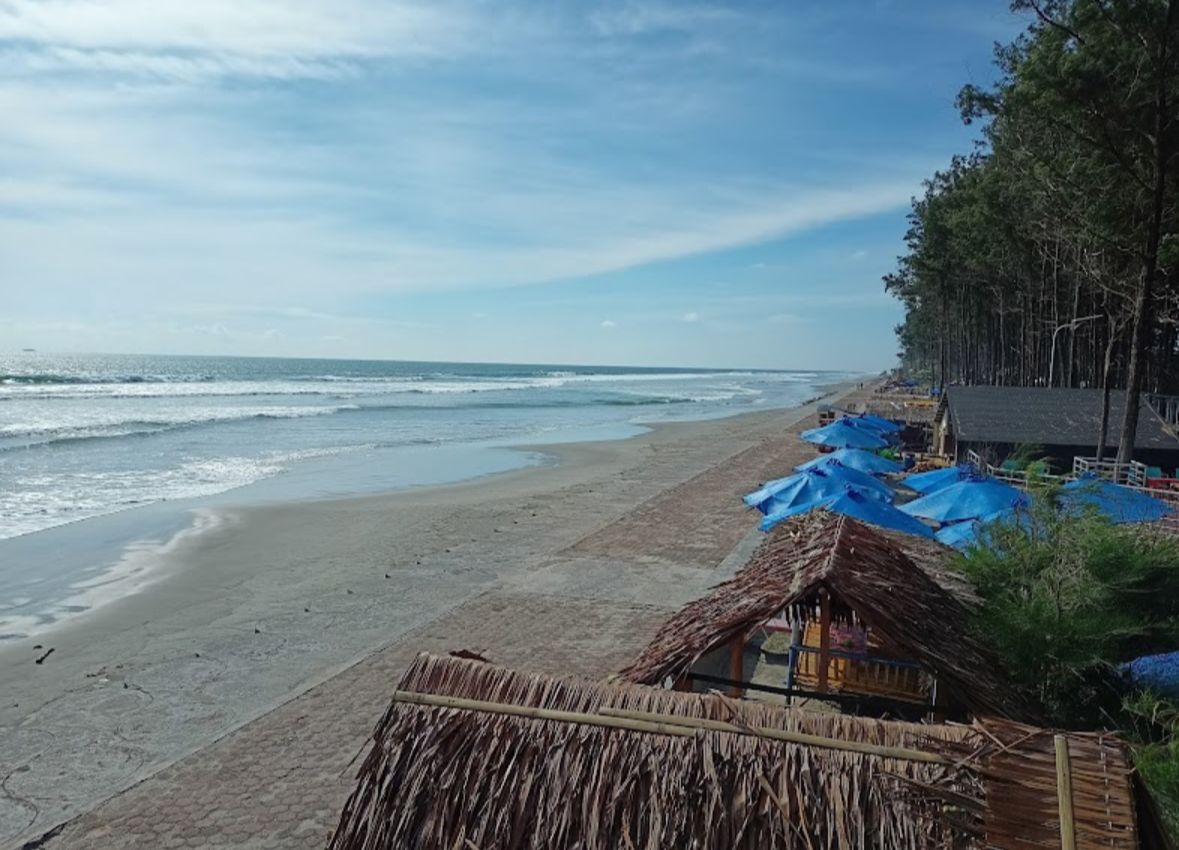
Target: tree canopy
1048, 255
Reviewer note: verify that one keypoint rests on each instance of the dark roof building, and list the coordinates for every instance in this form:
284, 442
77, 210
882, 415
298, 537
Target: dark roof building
1065, 421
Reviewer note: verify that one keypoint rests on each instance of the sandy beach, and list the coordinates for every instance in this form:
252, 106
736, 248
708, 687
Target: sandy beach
255, 660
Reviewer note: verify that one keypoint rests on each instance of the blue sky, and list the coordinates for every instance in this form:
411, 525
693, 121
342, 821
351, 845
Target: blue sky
645, 183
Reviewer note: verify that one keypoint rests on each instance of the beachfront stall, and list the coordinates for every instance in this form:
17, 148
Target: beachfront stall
471, 755
839, 613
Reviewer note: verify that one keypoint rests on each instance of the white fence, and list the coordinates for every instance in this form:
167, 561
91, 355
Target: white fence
1132, 475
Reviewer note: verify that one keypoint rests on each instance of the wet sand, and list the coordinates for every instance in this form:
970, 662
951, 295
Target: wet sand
566, 567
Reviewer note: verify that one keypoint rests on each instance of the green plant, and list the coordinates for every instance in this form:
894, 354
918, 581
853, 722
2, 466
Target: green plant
1154, 732
1065, 597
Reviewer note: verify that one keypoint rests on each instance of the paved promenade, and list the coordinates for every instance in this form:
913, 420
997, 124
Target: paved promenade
280, 780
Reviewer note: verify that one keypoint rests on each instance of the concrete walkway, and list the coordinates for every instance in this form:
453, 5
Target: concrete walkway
280, 780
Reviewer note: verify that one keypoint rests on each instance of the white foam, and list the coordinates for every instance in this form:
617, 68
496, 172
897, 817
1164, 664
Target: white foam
49, 499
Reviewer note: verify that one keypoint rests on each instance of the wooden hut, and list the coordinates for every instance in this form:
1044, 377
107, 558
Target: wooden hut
473, 756
865, 620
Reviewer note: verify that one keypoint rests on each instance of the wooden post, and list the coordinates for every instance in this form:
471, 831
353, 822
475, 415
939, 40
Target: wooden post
737, 665
824, 638
1064, 794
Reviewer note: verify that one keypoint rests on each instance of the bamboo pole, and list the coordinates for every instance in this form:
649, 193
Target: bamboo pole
824, 638
862, 747
737, 666
1064, 794
662, 724
438, 701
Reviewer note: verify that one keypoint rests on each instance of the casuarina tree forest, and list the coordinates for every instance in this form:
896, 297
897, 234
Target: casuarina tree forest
1048, 255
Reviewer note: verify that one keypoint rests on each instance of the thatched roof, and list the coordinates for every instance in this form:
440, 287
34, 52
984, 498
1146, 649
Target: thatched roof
862, 570
446, 772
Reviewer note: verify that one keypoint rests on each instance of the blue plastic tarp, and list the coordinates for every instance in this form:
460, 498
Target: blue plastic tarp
857, 459
857, 504
936, 479
1113, 501
1159, 673
812, 484
970, 499
844, 434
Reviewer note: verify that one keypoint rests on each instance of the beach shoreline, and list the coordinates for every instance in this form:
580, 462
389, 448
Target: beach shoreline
274, 599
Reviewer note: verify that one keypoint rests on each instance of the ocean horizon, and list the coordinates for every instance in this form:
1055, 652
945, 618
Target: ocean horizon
87, 435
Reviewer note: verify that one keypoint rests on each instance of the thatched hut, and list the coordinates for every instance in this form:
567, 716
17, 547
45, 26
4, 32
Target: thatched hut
470, 755
868, 627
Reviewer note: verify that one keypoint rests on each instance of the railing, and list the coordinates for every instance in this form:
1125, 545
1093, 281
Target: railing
1132, 474
1166, 406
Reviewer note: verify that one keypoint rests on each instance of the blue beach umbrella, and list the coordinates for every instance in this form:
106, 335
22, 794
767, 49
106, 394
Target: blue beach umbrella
879, 423
1115, 502
969, 499
962, 535
813, 484
856, 459
857, 504
844, 434
936, 479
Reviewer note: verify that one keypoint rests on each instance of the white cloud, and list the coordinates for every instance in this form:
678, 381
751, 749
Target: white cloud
640, 18
144, 176
181, 39
691, 317
608, 324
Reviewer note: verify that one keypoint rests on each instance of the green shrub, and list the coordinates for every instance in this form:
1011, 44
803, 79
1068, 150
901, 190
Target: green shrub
1067, 597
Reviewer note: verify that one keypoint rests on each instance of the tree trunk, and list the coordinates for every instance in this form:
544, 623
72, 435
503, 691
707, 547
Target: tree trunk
1140, 337
1103, 433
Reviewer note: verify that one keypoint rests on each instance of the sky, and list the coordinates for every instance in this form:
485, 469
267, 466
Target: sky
639, 183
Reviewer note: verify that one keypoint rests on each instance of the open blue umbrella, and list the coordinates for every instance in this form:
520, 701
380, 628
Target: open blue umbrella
857, 504
936, 479
879, 423
844, 434
812, 484
857, 459
962, 535
969, 499
1113, 501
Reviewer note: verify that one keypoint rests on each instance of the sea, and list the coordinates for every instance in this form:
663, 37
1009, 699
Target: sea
97, 450
82, 435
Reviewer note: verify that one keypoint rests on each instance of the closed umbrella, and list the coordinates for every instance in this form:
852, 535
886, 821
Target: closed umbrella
936, 479
857, 459
812, 484
969, 499
1113, 501
844, 434
857, 504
